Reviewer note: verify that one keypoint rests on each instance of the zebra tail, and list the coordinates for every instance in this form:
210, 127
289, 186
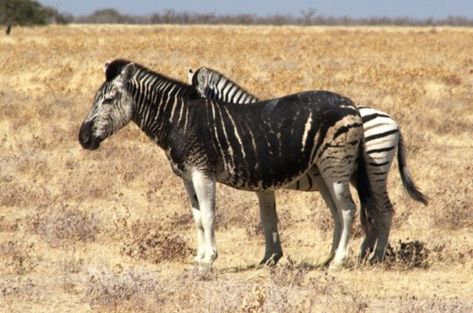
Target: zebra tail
406, 177
363, 187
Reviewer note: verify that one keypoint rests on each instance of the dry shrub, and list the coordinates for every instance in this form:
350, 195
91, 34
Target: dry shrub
18, 287
329, 294
9, 225
408, 255
456, 210
182, 221
452, 253
452, 79
18, 257
220, 294
134, 290
154, 244
289, 273
16, 194
192, 291
435, 305
58, 223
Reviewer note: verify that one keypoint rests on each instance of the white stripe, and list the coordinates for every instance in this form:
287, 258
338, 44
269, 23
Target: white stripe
236, 133
173, 103
307, 127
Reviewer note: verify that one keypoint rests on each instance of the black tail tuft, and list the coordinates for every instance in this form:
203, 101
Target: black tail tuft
406, 178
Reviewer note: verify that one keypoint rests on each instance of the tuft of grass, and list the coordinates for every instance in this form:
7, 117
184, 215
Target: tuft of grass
132, 289
18, 257
435, 305
408, 255
60, 222
150, 243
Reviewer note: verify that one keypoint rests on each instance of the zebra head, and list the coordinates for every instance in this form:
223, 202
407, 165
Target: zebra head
112, 107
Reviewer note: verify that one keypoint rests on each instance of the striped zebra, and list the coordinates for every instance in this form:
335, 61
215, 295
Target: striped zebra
382, 136
260, 148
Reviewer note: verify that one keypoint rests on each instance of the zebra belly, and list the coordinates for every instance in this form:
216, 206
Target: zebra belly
310, 181
264, 177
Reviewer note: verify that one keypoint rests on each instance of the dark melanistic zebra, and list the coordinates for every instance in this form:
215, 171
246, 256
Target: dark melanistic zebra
261, 147
382, 137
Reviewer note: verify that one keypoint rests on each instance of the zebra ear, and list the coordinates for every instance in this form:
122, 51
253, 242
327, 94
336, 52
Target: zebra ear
105, 66
126, 75
190, 75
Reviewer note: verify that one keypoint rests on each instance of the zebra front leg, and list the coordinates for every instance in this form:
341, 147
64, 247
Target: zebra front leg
197, 219
269, 220
204, 187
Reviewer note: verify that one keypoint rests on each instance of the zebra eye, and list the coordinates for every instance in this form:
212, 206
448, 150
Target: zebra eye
108, 99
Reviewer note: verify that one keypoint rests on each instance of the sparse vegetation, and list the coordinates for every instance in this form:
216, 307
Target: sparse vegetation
112, 231
60, 223
154, 244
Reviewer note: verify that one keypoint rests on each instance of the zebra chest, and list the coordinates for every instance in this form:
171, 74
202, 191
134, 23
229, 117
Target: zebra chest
186, 155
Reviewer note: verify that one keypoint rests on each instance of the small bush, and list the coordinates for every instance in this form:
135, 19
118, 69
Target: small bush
133, 289
59, 223
408, 254
18, 257
155, 245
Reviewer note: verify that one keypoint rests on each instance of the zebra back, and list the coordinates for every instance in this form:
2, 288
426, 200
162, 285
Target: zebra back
216, 86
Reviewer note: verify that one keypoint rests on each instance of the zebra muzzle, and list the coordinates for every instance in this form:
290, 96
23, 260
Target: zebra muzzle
86, 137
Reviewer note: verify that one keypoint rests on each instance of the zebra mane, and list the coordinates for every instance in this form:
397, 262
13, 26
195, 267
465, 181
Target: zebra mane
114, 68
214, 77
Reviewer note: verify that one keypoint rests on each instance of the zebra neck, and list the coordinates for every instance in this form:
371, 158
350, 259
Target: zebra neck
160, 106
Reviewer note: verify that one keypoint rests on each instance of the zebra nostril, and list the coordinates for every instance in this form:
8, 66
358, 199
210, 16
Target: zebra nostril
86, 139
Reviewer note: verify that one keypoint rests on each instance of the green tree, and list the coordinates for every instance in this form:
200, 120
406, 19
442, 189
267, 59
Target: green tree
28, 12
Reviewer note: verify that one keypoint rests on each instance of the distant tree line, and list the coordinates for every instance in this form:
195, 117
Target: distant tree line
306, 17
29, 12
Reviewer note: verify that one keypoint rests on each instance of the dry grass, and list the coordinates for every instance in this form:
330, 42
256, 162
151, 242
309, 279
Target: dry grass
150, 243
111, 230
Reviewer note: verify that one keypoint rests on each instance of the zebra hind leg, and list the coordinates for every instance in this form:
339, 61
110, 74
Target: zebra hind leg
383, 221
369, 227
367, 246
341, 196
269, 220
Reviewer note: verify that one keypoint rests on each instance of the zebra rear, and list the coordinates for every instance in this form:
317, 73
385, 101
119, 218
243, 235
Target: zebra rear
382, 139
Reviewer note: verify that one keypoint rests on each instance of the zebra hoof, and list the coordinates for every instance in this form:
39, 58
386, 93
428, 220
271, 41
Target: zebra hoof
271, 260
326, 261
208, 258
335, 266
376, 259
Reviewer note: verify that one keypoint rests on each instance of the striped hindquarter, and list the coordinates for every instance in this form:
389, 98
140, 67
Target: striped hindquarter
382, 139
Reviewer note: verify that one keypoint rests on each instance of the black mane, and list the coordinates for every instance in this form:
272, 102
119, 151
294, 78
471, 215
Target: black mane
115, 68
